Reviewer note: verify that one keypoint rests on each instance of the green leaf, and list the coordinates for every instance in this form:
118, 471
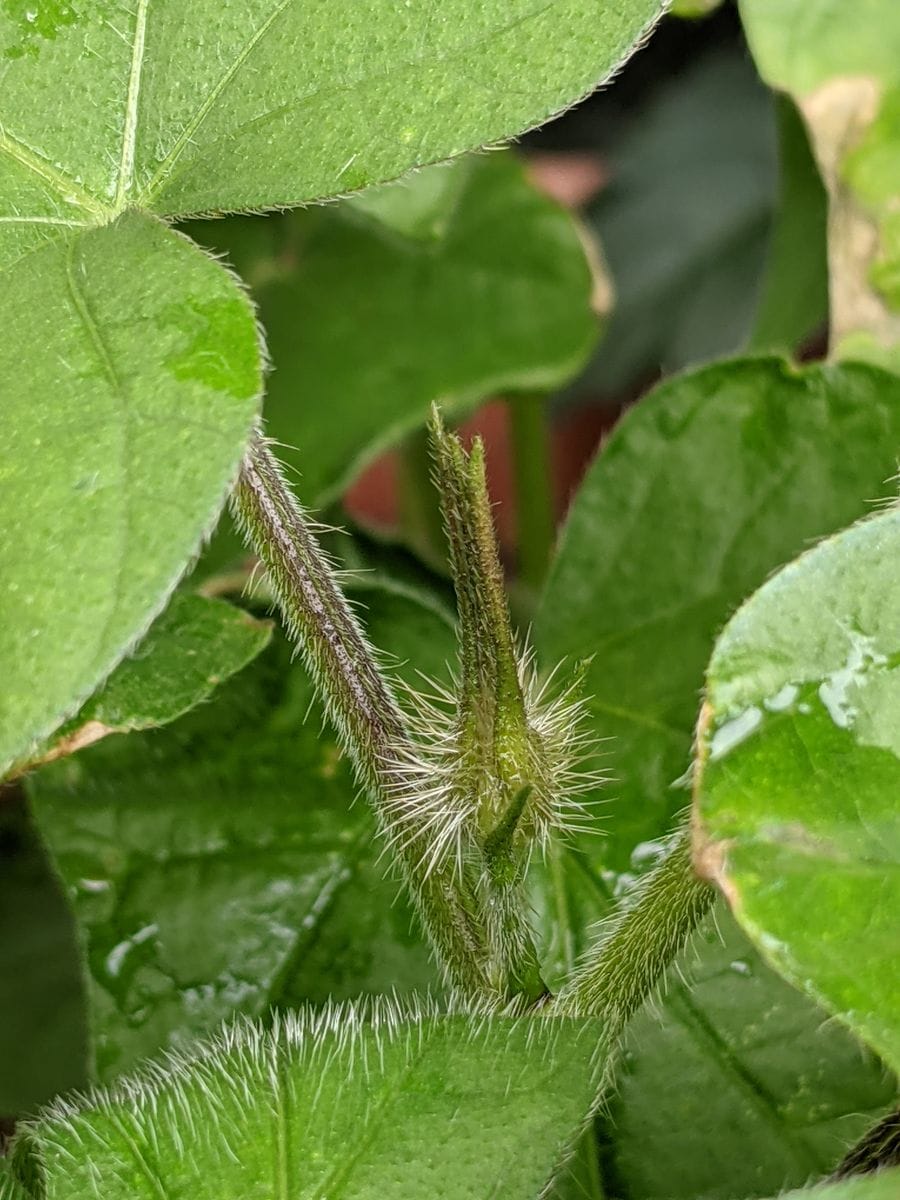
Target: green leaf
130, 373
796, 798
454, 285
179, 110
43, 1035
400, 1105
685, 220
691, 9
882, 1185
221, 865
206, 108
841, 63
192, 648
9, 1188
861, 41
736, 1085
703, 489
794, 297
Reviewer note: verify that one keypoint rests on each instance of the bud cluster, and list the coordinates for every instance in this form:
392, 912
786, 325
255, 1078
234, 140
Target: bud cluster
493, 765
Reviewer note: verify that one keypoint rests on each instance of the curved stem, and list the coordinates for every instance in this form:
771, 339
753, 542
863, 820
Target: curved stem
637, 945
358, 698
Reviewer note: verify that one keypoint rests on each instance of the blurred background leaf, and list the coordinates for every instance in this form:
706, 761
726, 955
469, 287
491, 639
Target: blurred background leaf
454, 284
220, 866
685, 221
43, 1026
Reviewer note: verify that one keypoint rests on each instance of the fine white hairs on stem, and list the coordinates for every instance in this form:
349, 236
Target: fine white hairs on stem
436, 785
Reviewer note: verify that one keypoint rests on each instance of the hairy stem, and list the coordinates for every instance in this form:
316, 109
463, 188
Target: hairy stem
880, 1148
358, 698
533, 488
639, 943
494, 740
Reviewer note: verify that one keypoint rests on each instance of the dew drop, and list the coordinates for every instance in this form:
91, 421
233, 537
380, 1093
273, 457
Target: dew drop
116, 957
646, 853
783, 698
93, 886
733, 732
836, 689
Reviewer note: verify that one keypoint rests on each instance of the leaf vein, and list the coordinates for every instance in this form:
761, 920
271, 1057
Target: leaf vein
58, 181
696, 1022
340, 1175
459, 50
132, 99
187, 134
104, 356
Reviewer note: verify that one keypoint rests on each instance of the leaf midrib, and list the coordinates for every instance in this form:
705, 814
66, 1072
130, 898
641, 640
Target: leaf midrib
166, 167
93, 332
68, 190
702, 1031
125, 177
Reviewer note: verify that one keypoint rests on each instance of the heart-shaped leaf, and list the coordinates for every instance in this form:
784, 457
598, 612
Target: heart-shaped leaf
705, 487
796, 802
141, 370
221, 865
193, 108
398, 1105
130, 373
457, 284
702, 490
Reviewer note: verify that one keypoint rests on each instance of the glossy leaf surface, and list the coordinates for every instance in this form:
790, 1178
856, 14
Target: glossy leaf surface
456, 284
334, 1105
703, 489
126, 401
221, 865
735, 1083
796, 801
